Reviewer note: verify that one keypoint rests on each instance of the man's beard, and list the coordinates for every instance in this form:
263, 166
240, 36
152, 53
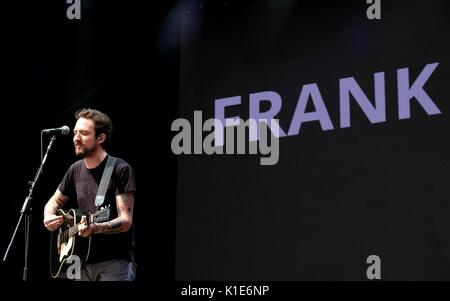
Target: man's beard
83, 151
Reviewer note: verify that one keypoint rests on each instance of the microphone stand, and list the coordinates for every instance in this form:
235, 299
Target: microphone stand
26, 211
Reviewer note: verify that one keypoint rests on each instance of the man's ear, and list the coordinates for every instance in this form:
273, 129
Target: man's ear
101, 138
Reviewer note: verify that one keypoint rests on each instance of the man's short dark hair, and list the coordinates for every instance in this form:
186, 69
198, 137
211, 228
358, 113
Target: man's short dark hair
102, 123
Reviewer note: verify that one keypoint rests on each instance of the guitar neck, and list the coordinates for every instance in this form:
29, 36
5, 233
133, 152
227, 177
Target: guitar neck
73, 230
99, 216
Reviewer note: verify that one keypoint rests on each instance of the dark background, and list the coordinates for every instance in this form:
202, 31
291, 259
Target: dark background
335, 197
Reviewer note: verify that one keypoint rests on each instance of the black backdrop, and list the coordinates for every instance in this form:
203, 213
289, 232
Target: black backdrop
334, 198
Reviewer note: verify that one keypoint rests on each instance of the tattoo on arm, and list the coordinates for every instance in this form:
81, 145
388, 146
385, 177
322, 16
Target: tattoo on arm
56, 201
126, 204
114, 226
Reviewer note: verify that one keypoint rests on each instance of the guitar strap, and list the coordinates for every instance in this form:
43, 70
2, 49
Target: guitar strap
104, 182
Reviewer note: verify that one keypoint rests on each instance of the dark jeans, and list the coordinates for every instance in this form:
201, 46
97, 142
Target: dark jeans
110, 270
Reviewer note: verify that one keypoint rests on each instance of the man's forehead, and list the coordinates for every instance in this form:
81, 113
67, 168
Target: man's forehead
83, 123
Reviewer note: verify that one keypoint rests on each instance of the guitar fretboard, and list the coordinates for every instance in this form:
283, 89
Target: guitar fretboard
64, 236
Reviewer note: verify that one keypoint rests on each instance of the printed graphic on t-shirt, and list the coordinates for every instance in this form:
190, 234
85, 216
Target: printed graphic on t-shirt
86, 190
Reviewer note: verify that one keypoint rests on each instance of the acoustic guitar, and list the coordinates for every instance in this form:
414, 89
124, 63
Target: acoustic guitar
65, 242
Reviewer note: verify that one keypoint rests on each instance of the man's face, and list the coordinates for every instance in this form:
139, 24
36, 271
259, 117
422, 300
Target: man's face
84, 137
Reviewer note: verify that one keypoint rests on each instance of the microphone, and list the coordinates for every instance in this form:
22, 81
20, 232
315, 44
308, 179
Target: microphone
63, 130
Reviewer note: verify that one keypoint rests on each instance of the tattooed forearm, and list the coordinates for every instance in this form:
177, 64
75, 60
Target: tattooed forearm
114, 226
55, 202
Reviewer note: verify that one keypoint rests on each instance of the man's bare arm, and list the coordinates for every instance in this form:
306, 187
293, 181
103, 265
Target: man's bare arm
51, 220
56, 201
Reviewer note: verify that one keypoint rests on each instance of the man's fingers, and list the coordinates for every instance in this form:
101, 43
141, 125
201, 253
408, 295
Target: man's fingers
83, 219
53, 225
54, 218
56, 223
83, 229
52, 221
82, 226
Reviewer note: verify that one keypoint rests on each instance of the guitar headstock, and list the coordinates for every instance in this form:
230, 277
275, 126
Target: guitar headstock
101, 215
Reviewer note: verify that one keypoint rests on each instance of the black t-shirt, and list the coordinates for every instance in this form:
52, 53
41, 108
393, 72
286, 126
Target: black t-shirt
81, 184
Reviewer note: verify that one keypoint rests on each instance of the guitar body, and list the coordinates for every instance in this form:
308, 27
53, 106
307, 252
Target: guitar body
65, 242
